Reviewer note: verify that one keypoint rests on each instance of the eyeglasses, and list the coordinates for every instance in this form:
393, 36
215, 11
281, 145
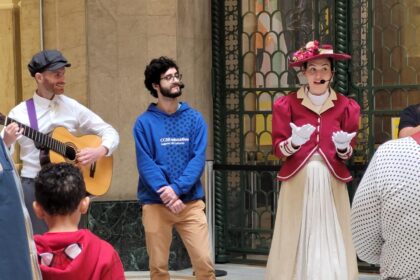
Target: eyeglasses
172, 77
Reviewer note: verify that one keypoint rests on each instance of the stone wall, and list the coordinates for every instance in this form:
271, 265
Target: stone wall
122, 38
109, 44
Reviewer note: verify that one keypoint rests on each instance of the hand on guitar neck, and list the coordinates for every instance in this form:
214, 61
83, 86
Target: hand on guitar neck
11, 133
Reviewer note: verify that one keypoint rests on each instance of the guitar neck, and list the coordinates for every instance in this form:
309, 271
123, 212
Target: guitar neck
40, 138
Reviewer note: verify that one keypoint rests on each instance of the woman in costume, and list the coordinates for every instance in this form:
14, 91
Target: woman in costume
314, 129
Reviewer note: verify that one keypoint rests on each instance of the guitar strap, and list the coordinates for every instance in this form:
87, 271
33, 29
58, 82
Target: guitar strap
32, 113
33, 121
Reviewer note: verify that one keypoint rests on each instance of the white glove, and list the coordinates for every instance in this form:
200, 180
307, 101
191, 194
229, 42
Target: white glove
301, 134
342, 139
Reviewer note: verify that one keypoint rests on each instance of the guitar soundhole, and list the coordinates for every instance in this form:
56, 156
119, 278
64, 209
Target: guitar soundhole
71, 153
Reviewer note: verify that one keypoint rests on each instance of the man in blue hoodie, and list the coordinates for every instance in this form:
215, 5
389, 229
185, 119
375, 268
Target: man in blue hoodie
171, 140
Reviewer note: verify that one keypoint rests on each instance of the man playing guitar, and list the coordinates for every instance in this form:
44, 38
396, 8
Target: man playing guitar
49, 108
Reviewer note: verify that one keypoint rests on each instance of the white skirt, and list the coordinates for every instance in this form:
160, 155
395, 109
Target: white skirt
312, 222
321, 253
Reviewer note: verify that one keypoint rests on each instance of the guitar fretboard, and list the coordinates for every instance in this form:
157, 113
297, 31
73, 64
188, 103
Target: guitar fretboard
40, 138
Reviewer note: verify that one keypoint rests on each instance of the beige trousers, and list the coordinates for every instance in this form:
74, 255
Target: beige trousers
282, 260
191, 224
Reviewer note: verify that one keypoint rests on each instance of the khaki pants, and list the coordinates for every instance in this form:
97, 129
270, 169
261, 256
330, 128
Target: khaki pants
191, 224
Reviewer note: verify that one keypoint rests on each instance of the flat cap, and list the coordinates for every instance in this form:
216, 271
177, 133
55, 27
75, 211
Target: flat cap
47, 60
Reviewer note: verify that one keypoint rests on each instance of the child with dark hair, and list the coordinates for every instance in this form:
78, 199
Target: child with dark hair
65, 252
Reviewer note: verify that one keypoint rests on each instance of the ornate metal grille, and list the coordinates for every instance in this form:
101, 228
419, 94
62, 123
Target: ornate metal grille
252, 40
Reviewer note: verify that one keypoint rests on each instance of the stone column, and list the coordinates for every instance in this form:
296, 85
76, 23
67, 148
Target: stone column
9, 55
30, 43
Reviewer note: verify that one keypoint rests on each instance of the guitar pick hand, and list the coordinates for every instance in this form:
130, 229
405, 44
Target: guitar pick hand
88, 156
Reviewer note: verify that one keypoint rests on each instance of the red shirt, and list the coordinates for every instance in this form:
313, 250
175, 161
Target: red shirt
337, 113
95, 259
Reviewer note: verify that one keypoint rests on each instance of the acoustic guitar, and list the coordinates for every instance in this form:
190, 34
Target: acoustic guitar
62, 147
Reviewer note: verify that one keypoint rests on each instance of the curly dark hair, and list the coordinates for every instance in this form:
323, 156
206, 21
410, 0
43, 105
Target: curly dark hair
59, 188
157, 67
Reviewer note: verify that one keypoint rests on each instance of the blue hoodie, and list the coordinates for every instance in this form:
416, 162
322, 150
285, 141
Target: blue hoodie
170, 151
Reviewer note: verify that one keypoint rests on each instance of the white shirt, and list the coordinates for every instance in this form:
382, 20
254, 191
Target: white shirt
60, 111
386, 210
318, 100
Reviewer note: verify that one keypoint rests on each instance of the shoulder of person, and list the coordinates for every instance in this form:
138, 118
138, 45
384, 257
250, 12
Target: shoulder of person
151, 109
19, 108
285, 100
343, 98
19, 113
67, 101
185, 107
287, 97
394, 145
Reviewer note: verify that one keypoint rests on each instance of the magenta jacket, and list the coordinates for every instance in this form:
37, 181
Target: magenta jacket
337, 113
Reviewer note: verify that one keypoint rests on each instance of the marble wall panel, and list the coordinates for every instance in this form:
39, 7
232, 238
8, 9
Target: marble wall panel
119, 223
8, 65
64, 28
30, 42
122, 38
194, 53
162, 7
109, 43
117, 48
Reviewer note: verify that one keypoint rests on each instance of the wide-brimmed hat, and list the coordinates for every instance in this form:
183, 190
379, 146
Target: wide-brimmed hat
312, 50
47, 60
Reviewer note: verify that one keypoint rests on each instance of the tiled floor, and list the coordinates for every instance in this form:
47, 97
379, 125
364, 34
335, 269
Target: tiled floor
234, 272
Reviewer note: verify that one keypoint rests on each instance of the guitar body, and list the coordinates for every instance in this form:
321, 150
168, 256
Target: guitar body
97, 176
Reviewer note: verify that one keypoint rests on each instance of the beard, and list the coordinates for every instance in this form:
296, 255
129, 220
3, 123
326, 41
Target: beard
167, 91
58, 90
53, 88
